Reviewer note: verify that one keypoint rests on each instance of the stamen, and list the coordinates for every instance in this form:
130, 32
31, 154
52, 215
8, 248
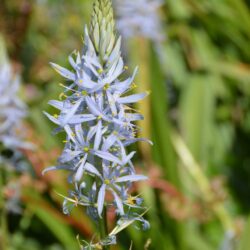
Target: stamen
84, 93
106, 86
86, 149
100, 71
107, 182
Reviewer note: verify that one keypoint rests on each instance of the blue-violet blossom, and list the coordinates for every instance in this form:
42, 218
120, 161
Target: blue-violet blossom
139, 18
12, 109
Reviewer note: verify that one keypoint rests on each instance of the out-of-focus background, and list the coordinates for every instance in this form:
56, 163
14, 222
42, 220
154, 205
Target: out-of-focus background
197, 115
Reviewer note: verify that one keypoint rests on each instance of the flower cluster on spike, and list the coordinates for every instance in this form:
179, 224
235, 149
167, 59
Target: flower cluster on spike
95, 112
12, 109
139, 18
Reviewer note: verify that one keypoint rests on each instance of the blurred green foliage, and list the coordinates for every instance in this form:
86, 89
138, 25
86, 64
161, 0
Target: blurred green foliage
199, 80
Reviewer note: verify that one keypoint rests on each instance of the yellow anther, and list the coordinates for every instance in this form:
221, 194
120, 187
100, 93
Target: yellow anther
73, 134
77, 94
61, 85
84, 93
98, 246
65, 141
80, 81
126, 67
99, 117
131, 200
86, 149
55, 115
107, 182
100, 71
106, 86
62, 95
133, 85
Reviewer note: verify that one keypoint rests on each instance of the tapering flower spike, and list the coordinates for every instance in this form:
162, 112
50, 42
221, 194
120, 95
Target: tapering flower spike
95, 113
139, 18
12, 109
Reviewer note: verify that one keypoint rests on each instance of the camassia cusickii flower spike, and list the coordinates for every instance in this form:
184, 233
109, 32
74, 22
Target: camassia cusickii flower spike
95, 112
12, 109
139, 18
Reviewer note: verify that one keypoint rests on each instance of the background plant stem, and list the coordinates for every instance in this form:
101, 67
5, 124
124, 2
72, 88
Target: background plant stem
3, 222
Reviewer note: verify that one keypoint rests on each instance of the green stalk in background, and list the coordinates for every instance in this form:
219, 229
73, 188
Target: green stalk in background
3, 218
202, 182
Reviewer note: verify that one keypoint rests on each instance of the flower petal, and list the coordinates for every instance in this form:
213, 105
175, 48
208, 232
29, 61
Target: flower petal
94, 109
63, 72
52, 118
100, 199
53, 168
80, 170
107, 156
90, 168
56, 104
98, 136
109, 142
131, 178
118, 202
71, 112
76, 119
132, 98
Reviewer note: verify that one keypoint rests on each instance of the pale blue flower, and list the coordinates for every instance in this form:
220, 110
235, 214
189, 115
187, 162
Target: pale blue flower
96, 115
12, 109
139, 18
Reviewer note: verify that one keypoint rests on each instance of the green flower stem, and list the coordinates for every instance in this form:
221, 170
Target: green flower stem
103, 227
3, 214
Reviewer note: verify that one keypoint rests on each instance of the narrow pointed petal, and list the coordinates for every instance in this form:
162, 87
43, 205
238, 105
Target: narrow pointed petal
56, 104
127, 158
107, 156
90, 168
76, 119
118, 202
94, 109
109, 142
116, 51
134, 117
70, 133
131, 178
112, 104
91, 133
80, 170
133, 140
100, 199
68, 155
132, 98
63, 72
53, 168
79, 134
72, 111
52, 118
98, 136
